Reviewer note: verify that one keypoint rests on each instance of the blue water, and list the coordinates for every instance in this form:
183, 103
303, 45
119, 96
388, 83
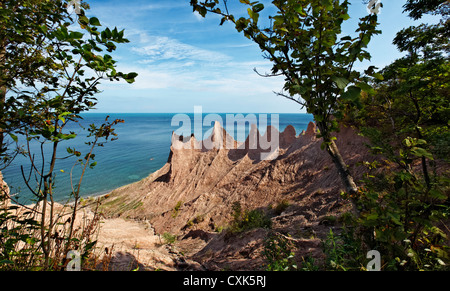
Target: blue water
142, 147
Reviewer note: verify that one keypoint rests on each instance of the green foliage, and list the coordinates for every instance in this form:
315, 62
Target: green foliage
278, 253
198, 219
402, 218
402, 206
51, 64
404, 201
244, 220
343, 251
37, 46
176, 209
169, 238
20, 241
309, 264
18, 246
417, 9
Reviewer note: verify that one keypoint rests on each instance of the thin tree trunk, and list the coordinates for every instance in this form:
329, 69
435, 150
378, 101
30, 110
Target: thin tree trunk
341, 166
344, 173
44, 243
2, 102
3, 90
333, 151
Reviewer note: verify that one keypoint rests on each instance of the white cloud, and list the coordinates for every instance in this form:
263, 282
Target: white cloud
241, 81
163, 48
163, 62
165, 5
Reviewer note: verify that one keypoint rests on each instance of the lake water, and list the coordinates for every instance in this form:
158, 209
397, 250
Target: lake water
142, 147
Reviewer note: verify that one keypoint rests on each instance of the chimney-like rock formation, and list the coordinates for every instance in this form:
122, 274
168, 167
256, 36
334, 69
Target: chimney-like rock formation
202, 179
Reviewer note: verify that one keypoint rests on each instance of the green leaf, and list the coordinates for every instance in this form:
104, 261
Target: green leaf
76, 35
366, 87
434, 193
340, 82
130, 77
421, 152
258, 7
94, 21
61, 116
372, 216
83, 20
407, 142
345, 16
68, 136
222, 21
378, 76
298, 8
89, 246
353, 93
253, 15
324, 145
46, 133
327, 4
299, 89
421, 141
14, 137
43, 28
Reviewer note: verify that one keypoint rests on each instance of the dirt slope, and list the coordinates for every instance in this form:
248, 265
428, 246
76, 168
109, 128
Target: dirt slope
192, 194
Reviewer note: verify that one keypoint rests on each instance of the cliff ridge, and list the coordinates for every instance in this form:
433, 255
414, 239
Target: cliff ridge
192, 195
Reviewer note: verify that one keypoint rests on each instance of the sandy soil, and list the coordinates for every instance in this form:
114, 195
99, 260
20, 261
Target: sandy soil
133, 242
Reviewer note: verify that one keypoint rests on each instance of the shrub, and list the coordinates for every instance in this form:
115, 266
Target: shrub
404, 221
281, 207
343, 252
244, 220
169, 238
20, 248
278, 252
176, 209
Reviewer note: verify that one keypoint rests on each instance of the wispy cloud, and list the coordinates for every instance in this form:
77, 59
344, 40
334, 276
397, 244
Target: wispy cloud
181, 60
164, 5
164, 62
228, 79
163, 48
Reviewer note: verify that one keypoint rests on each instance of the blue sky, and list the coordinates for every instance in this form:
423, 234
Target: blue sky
184, 60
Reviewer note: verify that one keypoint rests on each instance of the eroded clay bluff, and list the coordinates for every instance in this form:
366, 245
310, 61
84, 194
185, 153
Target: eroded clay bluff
196, 188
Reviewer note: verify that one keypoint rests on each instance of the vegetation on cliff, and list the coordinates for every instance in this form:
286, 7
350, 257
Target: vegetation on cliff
52, 61
401, 207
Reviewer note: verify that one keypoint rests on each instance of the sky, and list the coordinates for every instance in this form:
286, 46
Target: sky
184, 60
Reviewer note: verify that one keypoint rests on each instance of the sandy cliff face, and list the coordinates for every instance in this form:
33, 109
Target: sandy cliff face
4, 193
198, 185
192, 195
